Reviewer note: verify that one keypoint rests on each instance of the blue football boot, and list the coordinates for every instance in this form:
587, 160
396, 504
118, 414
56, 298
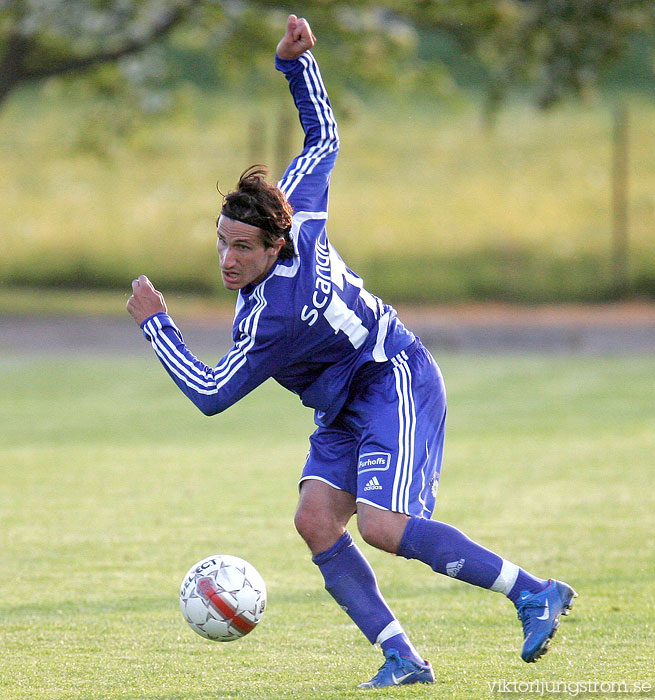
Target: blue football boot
398, 670
540, 613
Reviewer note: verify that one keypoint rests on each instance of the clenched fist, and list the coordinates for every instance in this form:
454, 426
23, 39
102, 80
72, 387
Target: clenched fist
297, 39
145, 300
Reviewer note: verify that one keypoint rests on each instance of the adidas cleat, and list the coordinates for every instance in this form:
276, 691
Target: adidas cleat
540, 613
398, 670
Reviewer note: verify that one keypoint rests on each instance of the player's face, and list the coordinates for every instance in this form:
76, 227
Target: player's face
244, 257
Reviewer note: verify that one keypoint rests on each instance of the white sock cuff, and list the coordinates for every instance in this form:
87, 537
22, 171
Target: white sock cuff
506, 578
391, 630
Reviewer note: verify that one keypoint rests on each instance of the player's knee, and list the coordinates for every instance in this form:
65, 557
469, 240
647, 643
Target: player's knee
304, 523
316, 527
322, 514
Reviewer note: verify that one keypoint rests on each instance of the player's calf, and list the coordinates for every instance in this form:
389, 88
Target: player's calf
382, 529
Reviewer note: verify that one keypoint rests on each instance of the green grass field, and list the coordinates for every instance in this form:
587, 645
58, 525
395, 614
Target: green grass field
112, 485
425, 203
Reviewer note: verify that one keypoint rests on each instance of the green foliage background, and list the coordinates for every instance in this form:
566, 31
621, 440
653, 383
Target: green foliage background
451, 183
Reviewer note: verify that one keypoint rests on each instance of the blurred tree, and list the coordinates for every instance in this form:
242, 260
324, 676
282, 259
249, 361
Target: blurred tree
552, 47
42, 38
555, 46
561, 47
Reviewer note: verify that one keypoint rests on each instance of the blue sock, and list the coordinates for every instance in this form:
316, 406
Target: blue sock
525, 582
448, 551
350, 580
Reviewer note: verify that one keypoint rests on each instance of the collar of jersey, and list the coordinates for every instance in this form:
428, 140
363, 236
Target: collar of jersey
250, 288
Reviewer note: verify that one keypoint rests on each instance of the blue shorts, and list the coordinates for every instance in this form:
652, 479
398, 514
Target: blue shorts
385, 446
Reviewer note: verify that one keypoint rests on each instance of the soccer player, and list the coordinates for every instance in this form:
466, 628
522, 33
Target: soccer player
305, 319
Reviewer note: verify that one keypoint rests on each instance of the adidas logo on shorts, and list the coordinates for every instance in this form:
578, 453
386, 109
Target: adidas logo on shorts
373, 485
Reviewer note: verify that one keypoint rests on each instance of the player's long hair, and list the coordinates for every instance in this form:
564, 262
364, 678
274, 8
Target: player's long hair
260, 204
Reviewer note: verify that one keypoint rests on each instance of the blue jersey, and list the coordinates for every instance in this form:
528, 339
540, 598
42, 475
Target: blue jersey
309, 324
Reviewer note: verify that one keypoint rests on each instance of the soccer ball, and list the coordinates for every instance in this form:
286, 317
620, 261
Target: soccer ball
223, 598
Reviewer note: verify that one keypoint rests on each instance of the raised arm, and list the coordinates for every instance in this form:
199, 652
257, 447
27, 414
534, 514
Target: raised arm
307, 178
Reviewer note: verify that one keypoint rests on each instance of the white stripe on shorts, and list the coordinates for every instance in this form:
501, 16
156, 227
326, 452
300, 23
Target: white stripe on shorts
406, 435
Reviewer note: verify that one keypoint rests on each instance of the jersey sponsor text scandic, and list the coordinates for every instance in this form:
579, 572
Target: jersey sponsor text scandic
310, 323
